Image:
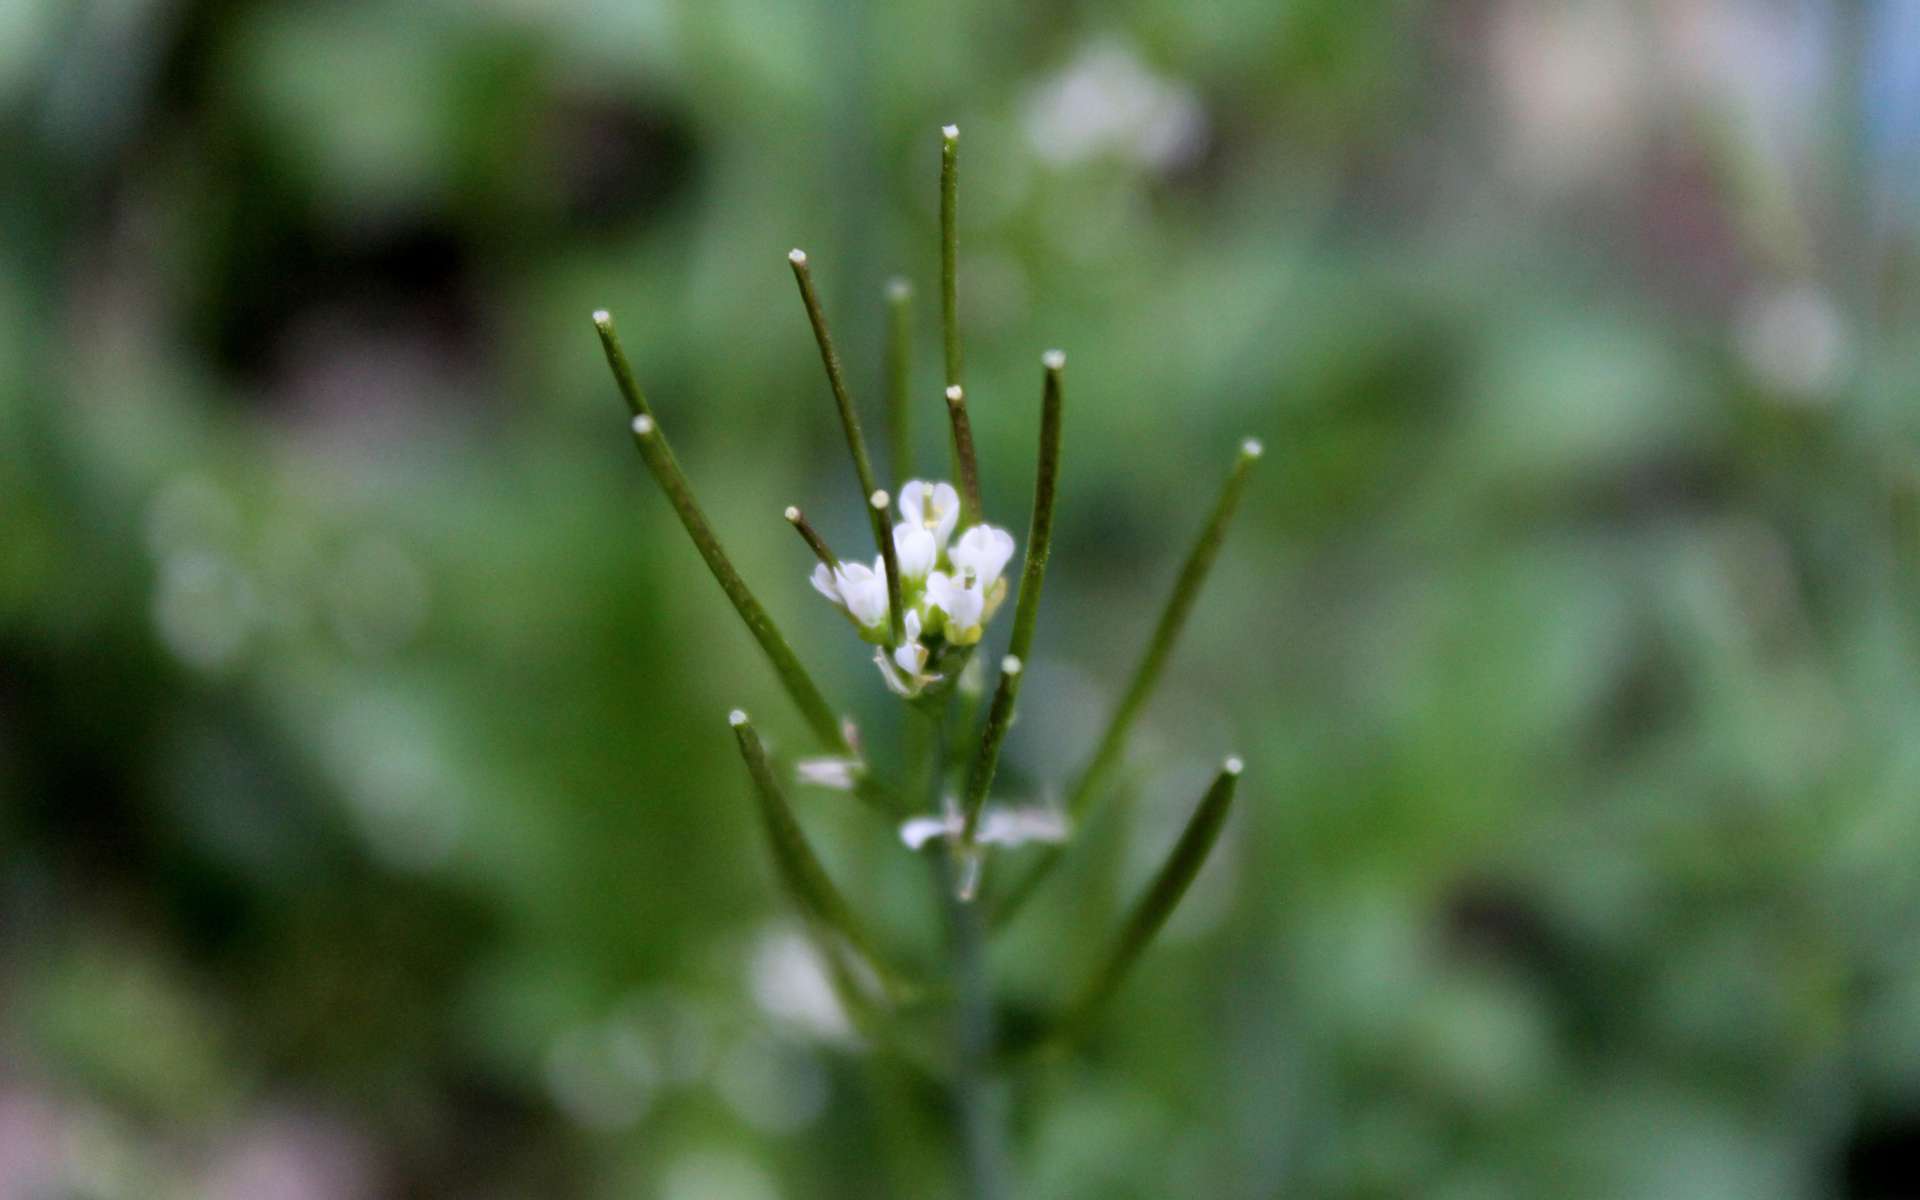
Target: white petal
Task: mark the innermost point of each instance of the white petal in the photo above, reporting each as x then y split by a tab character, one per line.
864	592
897	683
918	831
1017	826
823	582
839	774
946	513
961	604
934	507
913	496
983	550
911	657
913	546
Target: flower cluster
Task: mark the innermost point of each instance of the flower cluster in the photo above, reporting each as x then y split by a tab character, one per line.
949	588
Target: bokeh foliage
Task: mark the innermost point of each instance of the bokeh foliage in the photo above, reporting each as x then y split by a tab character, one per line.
366	809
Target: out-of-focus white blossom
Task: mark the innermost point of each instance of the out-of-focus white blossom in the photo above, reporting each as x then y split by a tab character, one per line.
837	774
1572	81
1105	101
1000	825
1794	343
791	984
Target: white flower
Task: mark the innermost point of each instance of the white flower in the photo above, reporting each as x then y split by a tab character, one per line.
963	607
983	552
906	670
999	826
838	774
913	545
918	831
1017	826
934	507
1107	102
826	585
858	588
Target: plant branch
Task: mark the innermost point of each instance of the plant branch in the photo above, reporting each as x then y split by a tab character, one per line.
900	378
1157	904
660	460
1027	610
950	249
850	422
811	537
965	465
798	866
1146	675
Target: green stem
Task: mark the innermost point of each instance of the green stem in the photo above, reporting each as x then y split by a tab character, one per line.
890	558
1157	904
811	537
900	377
950	249
987	758
979	1101
1146	675
850	422
965	465
799	868
978	1096
1040	528
660	460
1027	610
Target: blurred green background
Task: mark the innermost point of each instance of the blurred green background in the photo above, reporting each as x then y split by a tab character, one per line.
368	825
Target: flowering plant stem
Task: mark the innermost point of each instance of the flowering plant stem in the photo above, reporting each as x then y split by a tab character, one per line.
658	455
978	1098
797	864
856	441
950	249
1173	618
1153	908
942	567
1027	610
900	378
965	468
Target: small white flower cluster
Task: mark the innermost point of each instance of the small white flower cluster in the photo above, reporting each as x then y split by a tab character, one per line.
948	592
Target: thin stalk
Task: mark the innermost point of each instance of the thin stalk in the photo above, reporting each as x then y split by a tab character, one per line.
849	421
660	460
987	759
1158	902
811	537
798	866
1027	609
971	687
1146	675
900	377
979	1101
1040	527
890	558
965	465
950	248
979	1098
